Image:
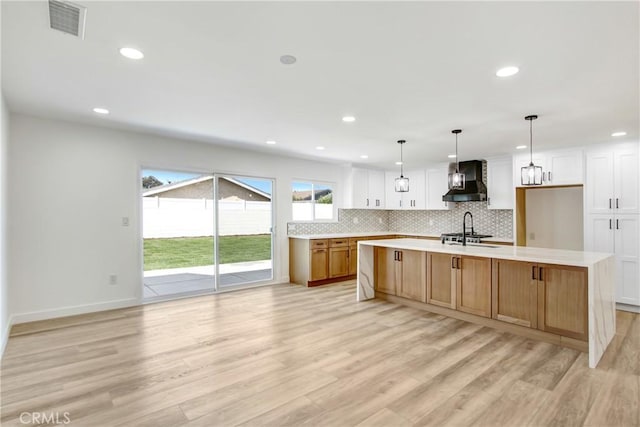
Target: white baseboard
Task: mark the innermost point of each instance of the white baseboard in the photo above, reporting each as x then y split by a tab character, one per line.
73	310
5	336
627	307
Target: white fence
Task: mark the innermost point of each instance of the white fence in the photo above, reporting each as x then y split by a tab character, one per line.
166	217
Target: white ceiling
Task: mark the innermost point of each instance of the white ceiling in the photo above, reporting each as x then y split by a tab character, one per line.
411	71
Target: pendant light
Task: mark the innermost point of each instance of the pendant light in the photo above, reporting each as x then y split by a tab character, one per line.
402	183
456	179
532	174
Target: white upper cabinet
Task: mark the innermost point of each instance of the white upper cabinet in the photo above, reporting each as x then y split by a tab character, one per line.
416	197
367	189
413	199
392	199
561	167
437	180
500	187
612	185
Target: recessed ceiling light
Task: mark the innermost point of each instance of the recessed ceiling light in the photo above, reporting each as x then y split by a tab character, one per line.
364	156
320	147
521	147
452	156
270	142
288	59
100	110
621	133
131	53
398	163
348	119
507	71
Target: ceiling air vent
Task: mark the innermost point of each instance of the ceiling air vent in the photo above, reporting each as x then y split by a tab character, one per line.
67	17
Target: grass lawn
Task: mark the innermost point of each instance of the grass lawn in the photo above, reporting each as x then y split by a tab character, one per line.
197	251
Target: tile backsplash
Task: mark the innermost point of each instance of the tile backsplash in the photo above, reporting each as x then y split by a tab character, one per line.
349	221
498	223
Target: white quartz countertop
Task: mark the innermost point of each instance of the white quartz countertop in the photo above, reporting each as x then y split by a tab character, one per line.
516	253
384	233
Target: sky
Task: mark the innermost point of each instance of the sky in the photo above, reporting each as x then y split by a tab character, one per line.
172	176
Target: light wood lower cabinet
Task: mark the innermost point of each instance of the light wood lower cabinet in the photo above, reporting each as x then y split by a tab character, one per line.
319	263
338	258
562	300
441	280
459	282
514	292
473	290
401	272
551	298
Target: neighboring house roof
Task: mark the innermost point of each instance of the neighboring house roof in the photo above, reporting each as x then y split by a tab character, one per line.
175	185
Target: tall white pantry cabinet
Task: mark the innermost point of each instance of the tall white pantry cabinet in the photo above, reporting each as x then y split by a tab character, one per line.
612	212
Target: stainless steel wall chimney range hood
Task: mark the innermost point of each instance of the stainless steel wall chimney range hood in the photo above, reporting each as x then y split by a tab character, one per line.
475	190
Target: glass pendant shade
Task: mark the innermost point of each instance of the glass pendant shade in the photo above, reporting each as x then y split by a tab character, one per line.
532	174
402	183
456	179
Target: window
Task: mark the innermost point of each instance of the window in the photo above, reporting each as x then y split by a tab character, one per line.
312	201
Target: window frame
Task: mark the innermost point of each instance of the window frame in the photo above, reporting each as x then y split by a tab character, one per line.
313	183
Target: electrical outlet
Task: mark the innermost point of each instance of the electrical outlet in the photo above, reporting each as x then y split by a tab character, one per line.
113	279
532	236
125	221
380	220
356	220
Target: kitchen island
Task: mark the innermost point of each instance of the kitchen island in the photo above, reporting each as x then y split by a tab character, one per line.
561	296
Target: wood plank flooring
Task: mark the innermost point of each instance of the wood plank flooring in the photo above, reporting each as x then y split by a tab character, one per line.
288	355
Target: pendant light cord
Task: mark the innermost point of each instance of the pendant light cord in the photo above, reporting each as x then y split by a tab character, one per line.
457	160
401	162
531	118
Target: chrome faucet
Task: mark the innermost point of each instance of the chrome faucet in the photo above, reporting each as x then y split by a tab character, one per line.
464	227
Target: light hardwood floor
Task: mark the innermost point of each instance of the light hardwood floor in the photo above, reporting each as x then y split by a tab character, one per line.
290	355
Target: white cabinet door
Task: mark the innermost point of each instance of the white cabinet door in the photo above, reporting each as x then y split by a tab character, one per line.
626	177
437	185
393	199
500	187
415	198
599	233
360	188
565	167
599	183
627	230
376	189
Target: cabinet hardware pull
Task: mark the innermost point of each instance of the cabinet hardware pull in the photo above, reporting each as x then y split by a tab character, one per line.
533	272
617	225
452	262
544	176
540	274
610	225
400	256
400	203
609	203
488	201
395	255
549	175
367	202
617	207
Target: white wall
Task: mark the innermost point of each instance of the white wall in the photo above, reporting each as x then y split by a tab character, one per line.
4	284
555	218
88	177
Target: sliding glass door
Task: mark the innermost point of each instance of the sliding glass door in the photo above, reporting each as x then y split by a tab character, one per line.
204	232
244	242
